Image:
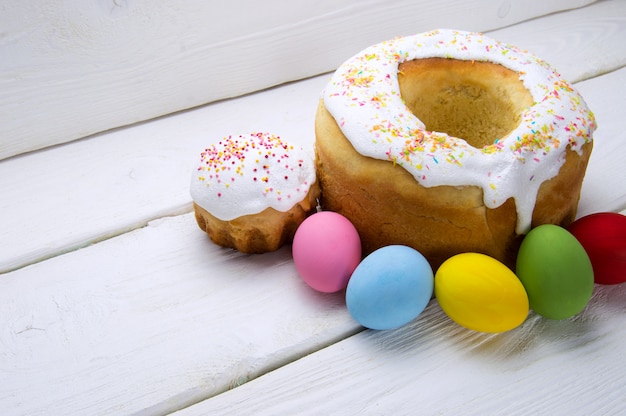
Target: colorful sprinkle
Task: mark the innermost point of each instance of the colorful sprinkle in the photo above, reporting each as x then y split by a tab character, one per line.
272	166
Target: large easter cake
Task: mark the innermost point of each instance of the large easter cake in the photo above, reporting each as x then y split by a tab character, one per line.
451	142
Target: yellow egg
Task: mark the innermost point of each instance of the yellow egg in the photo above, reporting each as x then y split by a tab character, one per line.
480	293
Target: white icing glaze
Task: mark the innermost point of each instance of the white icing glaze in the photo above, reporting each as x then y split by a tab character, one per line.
245	174
364	98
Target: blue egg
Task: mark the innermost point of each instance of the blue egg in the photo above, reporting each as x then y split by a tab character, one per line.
390	287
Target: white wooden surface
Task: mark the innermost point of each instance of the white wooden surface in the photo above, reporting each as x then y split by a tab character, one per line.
113	302
431	367
73	68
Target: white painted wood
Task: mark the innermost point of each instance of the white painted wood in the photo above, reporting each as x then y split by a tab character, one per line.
75	68
605	179
159	318
69	196
576	43
153	320
435	367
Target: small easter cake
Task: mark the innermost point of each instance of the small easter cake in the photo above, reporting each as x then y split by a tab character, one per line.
251	192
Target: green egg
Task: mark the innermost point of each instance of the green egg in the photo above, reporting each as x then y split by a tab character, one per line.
555	271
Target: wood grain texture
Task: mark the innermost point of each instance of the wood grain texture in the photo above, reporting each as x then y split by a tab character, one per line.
156	319
609	148
435	367
576	43
106	185
74	69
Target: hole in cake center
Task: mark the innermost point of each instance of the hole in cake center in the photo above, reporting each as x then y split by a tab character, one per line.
479	102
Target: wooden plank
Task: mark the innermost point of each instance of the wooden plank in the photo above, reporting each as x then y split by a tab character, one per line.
153	321
605	180
576	43
67	197
75	69
435	367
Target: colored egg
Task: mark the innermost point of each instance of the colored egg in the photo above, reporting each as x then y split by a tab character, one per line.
480	293
603	236
326	249
389	288
556	272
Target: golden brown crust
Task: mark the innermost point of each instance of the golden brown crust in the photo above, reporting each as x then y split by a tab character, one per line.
388	206
258	233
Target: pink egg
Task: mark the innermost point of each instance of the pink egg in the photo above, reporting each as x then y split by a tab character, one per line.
603	236
326	250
